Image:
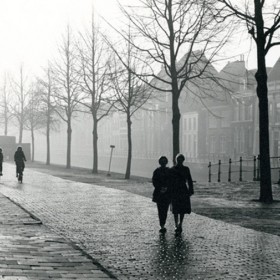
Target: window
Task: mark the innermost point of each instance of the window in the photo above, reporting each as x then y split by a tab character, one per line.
212	144
194	123
242	141
166	97
223	144
236	141
249	113
185	124
236	113
241	112
190	124
277	112
270	111
213	123
225	121
194	145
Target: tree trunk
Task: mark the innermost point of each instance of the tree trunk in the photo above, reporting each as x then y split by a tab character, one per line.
69	138
175	123
6	128
20	133
6	121
265	173
129	142
33	144
48	142
95	148
175	90
262	93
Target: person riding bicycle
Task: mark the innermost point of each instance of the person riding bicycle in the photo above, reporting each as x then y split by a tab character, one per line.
19	159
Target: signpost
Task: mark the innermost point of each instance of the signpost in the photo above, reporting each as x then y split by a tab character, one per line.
112	148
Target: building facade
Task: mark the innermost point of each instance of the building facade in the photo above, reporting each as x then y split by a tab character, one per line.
218	123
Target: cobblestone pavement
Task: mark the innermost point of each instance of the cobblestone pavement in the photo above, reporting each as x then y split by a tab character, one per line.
29	250
120	230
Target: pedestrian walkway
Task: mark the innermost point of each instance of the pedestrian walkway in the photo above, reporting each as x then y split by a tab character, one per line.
29	250
120	230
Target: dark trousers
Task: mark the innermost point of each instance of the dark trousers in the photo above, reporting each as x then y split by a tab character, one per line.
162	212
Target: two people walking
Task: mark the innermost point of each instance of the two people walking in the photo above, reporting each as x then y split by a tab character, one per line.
172	186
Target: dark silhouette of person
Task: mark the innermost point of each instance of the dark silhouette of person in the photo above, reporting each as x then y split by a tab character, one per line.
161	194
19	159
182	190
1	161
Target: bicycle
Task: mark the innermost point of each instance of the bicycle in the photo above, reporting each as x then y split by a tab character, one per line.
20	172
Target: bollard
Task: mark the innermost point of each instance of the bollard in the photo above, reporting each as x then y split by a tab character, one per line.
209	167
229	170
240	170
219	171
255	169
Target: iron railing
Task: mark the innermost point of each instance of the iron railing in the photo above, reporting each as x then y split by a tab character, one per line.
238	168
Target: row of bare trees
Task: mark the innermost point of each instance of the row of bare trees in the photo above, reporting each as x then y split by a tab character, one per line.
86	76
94	73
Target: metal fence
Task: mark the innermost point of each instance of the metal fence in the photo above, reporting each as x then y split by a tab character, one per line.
244	168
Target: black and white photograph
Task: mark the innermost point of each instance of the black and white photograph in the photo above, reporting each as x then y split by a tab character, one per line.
140	139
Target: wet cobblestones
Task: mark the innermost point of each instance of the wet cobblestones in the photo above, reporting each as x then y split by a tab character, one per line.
29	250
120	230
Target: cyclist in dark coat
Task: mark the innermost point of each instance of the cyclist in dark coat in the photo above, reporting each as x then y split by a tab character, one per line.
182	190
19	159
161	194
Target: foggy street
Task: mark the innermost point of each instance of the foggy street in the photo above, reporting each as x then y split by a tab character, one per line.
120	230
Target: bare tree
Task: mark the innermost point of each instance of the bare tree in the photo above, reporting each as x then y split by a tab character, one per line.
47	92
131	92
68	95
5	105
170	31
34	115
262	19
19	107
95	67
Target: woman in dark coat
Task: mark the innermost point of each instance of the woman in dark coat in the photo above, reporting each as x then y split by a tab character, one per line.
182	189
161	194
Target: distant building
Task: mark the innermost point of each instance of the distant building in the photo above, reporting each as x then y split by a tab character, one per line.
9	146
219	120
274	108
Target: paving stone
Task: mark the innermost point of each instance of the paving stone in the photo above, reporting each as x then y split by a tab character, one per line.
32	251
120	230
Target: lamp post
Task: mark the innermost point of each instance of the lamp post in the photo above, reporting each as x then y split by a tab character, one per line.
112	148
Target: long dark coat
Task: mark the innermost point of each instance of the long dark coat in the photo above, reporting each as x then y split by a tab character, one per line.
182	189
19	157
161	182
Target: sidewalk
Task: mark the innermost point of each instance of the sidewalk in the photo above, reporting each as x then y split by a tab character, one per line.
119	229
29	250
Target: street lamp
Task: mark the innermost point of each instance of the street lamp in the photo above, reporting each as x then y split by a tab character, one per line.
112	148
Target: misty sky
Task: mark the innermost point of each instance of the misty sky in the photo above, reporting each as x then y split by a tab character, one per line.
30	30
